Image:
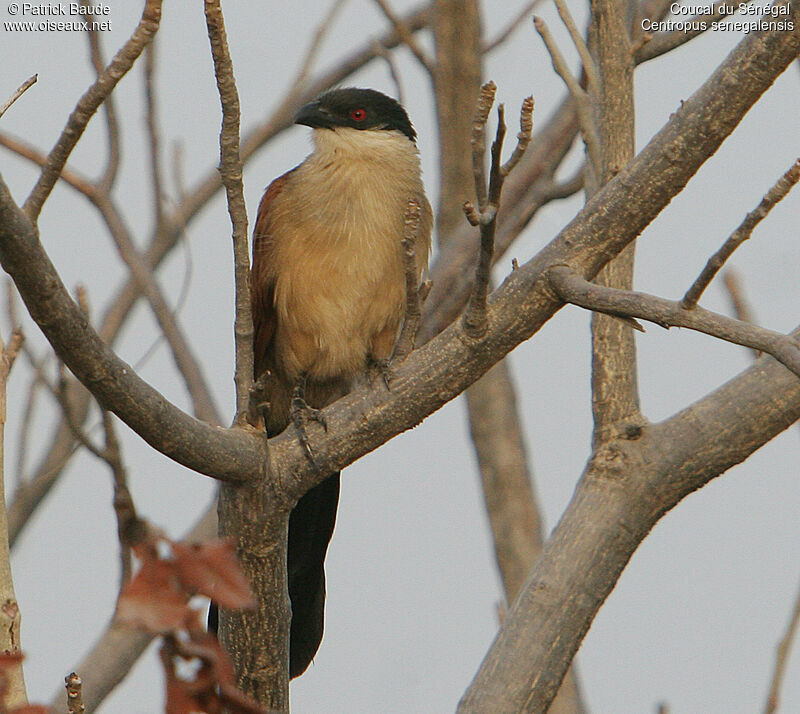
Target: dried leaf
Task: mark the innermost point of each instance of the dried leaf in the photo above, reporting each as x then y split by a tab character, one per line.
212	569
154	599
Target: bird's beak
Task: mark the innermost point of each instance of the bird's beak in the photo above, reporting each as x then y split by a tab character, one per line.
315	116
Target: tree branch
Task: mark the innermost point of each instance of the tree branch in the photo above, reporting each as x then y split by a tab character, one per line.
163	241
225	454
615	390
626	488
407	36
24	87
776	194
88	105
231	172
572	288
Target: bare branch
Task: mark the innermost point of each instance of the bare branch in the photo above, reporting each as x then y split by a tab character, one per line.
655	45
14	681
571	287
112	129
384	54
151	121
316	42
406	35
231	172
739	302
74	686
475	316
615	392
82	184
523	138
784	184
592	77
24	87
485	101
408	333
200	446
516	22
88	105
582	103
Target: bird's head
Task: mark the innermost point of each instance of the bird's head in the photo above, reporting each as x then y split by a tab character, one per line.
354	108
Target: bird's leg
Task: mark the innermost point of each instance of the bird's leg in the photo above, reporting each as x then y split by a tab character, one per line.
383	368
379	359
302	413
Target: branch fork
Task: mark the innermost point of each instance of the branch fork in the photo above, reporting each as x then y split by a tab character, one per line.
485	215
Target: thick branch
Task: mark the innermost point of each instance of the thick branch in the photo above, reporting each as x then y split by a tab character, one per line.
457	29
615	393
225	454
627	487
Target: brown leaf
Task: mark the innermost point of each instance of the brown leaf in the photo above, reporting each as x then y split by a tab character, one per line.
154	599
179	700
212	569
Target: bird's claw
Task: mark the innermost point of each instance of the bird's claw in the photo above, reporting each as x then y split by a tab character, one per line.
302	414
383	368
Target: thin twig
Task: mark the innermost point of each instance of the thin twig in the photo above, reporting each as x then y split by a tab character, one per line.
188	366
572	288
406	35
112	129
74	179
523	138
742	233
405	343
231	172
592	78
24	87
129	525
485	216
582	103
151	121
652	46
385	55
511	27
88	105
316	42
739	302
74	686
485	101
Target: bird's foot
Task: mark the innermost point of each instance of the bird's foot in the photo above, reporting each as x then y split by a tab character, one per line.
381	368
302	414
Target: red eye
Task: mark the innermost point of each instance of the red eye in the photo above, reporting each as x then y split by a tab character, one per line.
358	114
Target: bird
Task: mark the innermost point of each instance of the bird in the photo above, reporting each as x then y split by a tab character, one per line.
328	298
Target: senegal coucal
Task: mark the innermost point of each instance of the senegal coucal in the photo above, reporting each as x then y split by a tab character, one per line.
328	287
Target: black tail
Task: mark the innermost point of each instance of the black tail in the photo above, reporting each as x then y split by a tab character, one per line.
310	528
